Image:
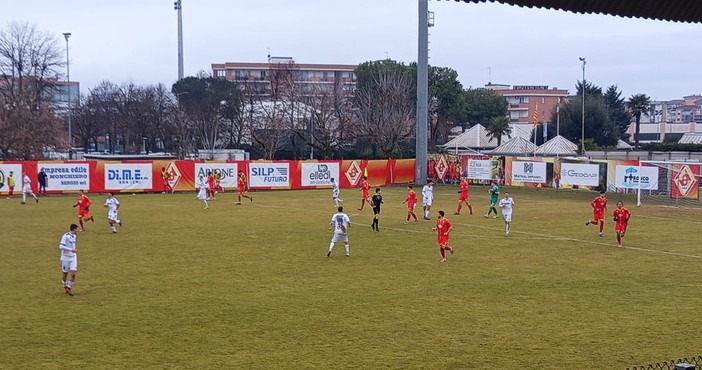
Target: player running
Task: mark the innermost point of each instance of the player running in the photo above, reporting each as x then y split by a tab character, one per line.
411	201
443	228
376	201
218	181
621	219
241	187
210	186
506	204
69	259
83	203
201	188
463	197
494	194
341	223
365	188
165	176
427	198
599	207
112	205
27	189
335	193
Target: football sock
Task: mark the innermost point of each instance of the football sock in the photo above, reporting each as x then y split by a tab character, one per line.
24	197
69	284
348	250
331	246
443	254
619	239
458	209
80	221
206	205
470	208
601	226
64	283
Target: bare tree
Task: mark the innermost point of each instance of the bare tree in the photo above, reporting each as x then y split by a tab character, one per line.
30	61
385	112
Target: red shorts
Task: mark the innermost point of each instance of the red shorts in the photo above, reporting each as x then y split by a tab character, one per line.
620	227
83	212
411	206
242	189
443	240
365	194
598	215
463	198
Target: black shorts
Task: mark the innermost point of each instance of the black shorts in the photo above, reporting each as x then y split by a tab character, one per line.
376	210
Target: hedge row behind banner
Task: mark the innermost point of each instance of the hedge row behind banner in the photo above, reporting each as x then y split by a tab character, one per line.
146	176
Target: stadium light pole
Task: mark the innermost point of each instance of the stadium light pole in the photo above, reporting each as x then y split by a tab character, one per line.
66	35
422	94
582	124
178	5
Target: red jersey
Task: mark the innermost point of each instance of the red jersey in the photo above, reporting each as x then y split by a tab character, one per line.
621	215
443	226
241	182
210	180
83	202
464	189
411	197
599	204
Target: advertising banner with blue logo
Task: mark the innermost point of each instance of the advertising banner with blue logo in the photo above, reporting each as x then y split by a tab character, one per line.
128	176
580	174
529	171
319	174
269	175
65	176
228	171
631	177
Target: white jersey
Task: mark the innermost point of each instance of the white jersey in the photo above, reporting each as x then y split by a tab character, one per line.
67	244
112	204
202	194
428	192
506	204
27	183
335	190
340	219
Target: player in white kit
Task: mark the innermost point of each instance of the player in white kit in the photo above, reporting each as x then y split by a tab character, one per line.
341	223
112	205
506	204
27	189
202	190
69	259
335	193
427	198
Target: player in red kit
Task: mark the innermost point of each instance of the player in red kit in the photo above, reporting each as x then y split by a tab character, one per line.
443	229
365	195
463	197
210	186
83	204
621	219
165	176
411	201
599	207
241	186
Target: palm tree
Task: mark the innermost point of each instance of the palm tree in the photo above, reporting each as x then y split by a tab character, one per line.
498	127
638	104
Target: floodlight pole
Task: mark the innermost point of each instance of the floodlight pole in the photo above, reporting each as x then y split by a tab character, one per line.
582	125
66	35
422	94
178	5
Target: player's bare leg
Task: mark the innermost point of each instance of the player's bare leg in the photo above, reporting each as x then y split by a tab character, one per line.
70	280
458	208
363	203
601	234
443	254
470	208
80	222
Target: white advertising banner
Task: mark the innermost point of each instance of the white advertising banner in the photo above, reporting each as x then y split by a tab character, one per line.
319	174
529	171
580	174
16	170
265	175
228	170
128	176
480	169
65	176
630	177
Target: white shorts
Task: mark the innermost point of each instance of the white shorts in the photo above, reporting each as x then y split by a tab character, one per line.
112	216
507	217
71	265
427	201
337	237
202	194
335	195
27	189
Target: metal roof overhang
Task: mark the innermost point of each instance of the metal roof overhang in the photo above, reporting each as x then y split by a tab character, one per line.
665	10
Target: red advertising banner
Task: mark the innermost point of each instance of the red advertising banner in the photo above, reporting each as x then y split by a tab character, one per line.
685	182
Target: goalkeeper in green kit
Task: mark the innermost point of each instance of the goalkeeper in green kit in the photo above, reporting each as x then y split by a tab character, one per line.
494	194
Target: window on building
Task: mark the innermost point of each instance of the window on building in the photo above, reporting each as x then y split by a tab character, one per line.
220	73
523	99
237	74
263	75
325	76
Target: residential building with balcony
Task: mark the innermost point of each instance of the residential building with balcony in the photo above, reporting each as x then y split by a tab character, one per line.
670	119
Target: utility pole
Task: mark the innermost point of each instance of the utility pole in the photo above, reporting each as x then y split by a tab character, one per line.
422	94
178	5
66	35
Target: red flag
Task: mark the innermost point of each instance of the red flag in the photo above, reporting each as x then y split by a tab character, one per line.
536	115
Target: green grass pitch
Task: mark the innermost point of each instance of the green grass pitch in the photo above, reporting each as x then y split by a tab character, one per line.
249	287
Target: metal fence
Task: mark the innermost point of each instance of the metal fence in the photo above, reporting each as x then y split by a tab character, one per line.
670	365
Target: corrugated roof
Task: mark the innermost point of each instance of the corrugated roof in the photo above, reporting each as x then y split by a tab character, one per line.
557	146
517	146
475	137
667	10
691	138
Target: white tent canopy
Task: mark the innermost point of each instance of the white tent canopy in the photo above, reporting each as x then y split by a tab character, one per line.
516	146
558	146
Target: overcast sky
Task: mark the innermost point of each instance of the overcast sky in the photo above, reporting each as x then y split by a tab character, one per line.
136	40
